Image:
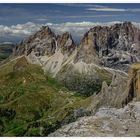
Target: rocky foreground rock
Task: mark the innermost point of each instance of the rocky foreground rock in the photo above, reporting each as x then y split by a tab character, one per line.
106	122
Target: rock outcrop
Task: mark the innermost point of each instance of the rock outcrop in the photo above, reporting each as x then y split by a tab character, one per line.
134	81
113	95
106	122
120	92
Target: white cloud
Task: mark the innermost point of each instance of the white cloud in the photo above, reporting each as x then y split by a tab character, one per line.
109	9
41	19
19	29
77	28
105	9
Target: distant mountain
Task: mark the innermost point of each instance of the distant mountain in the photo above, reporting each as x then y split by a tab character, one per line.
6	49
114	46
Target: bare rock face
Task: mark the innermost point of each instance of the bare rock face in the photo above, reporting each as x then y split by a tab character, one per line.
41	43
134	81
45	43
117	46
120	92
66	43
123	46
106	122
87	50
112	95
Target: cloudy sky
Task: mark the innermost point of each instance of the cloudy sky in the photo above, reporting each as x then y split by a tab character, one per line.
20	20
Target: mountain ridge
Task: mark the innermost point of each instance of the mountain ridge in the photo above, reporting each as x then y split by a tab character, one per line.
102	46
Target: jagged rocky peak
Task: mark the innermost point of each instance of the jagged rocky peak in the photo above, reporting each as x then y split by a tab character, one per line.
96	37
112	95
127	32
45	31
123	46
42	42
103	38
45	42
88	51
66	42
122	89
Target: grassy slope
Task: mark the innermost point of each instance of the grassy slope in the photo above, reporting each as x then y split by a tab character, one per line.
31	103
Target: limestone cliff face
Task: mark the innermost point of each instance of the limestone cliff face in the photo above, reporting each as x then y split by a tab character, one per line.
66	43
117	45
45	43
41	43
87	51
121	91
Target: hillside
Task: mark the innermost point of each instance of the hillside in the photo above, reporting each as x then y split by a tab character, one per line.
33	104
